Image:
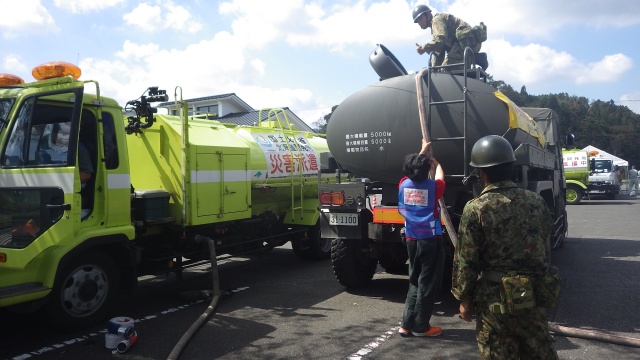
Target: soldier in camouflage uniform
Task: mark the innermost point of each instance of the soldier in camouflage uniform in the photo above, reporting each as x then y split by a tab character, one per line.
503	231
450	36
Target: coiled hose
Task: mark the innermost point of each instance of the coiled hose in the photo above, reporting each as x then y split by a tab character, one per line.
177	349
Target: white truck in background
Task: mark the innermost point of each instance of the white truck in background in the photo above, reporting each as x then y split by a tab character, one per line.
603	178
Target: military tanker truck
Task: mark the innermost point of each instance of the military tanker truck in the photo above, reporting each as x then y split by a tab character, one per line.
370	133
71	245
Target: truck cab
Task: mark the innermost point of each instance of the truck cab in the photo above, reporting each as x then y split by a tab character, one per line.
603	179
64	189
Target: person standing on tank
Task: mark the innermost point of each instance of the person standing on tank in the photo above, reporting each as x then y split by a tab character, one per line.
501	242
449	36
418	203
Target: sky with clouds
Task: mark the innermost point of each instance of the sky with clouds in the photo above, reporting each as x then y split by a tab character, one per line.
311	55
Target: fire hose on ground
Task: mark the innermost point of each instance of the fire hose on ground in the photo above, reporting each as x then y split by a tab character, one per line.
554	328
175	353
593	335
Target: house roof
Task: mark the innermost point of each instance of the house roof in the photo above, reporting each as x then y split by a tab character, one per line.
229	97
251	117
248	117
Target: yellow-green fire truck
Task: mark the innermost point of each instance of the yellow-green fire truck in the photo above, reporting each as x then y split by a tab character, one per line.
91	198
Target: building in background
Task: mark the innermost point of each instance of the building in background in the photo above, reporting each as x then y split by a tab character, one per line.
229	108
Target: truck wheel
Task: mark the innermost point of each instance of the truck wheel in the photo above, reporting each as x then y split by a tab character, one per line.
560	232
394	259
84	292
351	266
313	248
574	194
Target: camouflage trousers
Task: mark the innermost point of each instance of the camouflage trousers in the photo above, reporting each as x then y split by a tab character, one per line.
456	54
524	335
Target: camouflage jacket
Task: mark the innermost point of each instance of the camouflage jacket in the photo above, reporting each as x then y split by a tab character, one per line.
443	32
504	229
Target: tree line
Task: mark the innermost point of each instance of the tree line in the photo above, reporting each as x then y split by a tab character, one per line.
603	124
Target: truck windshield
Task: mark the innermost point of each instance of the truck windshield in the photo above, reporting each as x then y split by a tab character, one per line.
5	107
602	166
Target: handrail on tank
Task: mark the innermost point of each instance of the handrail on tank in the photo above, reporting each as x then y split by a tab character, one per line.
468	63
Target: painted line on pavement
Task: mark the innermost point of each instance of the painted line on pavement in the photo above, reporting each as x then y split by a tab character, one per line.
368	349
75	340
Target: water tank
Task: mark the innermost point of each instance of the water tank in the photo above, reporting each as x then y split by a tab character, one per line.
372	131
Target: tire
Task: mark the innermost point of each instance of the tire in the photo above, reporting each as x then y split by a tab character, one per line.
574	194
351	266
313	248
85	291
562	232
394	259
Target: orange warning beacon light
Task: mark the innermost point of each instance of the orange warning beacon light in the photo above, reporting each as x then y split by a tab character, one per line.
10	80
55	69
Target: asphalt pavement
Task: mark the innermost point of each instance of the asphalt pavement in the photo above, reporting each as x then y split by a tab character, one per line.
276	306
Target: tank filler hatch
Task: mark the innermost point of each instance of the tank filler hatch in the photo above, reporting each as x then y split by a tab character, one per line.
385	63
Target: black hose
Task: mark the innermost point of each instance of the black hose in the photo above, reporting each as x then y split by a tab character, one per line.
592	335
175	353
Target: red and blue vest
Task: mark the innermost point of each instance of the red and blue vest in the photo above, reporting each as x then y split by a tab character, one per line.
417	204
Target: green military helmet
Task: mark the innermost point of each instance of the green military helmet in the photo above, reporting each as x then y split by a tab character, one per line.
419	10
491	150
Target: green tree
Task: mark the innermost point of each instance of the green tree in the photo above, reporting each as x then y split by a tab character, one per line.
603	124
320	125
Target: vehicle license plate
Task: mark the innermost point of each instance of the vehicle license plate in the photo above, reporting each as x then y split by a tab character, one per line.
343	219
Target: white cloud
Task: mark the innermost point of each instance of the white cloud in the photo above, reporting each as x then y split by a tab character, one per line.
257	25
525	45
632	101
543	18
257	22
164	15
25	17
362	23
144	16
535	64
179	18
142	65
84	6
12	63
131	50
609	69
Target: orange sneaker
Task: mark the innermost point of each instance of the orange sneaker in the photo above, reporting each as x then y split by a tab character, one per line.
404	332
433	331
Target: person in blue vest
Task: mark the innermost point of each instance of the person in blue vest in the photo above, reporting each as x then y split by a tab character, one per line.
418	197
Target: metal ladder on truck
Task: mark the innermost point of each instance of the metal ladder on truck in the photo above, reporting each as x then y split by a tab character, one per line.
425	117
296	175
469	70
